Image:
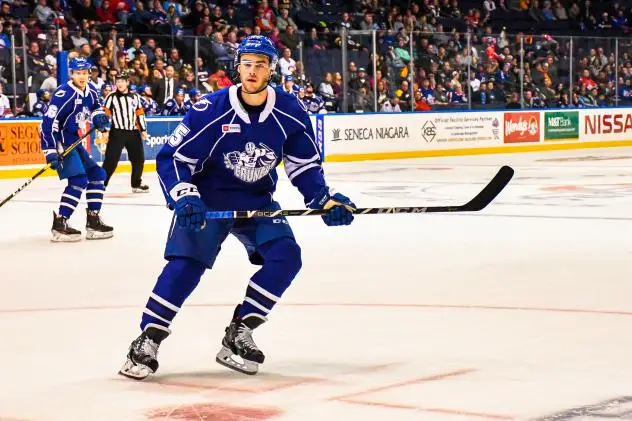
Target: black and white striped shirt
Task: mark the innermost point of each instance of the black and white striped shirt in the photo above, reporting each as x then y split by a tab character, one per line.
126	111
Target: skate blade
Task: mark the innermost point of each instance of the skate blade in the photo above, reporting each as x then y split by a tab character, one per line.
135	190
65	238
226	358
135	371
98	235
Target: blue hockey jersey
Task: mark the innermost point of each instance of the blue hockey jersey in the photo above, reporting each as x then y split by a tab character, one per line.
39	109
231	156
314	104
69	113
172	108
150	106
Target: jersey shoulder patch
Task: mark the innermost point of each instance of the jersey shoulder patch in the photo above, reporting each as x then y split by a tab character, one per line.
60	93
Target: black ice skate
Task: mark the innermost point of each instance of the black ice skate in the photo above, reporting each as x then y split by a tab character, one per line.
62	232
95	228
239	351
143	353
141	188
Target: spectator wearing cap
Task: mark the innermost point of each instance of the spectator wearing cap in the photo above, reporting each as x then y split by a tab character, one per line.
360	81
128	129
175	106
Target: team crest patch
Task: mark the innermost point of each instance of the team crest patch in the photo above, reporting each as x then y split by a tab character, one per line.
231	128
253	164
60	93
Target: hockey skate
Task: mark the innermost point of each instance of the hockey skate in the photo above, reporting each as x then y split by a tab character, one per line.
143	353
239	351
95	228
62	232
141	188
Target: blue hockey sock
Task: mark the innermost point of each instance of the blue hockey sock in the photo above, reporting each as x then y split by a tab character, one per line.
72	194
96	188
176	282
282	262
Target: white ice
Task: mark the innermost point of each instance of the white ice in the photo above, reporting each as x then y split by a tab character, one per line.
521	311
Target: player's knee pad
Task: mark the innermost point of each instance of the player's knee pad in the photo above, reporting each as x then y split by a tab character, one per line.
79	182
96	173
284	253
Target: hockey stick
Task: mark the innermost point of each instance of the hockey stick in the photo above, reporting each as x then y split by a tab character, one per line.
40	172
482	199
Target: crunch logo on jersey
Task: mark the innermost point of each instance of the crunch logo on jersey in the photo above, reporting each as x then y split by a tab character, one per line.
231	128
253	164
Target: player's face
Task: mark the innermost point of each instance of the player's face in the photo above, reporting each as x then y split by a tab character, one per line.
254	71
46	96
80	78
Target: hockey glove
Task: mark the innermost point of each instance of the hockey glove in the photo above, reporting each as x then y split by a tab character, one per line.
342	207
52	158
101	121
191	213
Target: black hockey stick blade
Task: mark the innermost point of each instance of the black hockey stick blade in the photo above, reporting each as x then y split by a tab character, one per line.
491	190
479	202
43	170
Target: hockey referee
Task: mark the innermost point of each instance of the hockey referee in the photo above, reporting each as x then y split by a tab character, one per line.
126	112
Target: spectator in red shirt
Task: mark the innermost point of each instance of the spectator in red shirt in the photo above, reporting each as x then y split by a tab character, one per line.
586	80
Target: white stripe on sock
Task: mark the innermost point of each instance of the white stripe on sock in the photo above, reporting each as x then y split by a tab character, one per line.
68	205
256	304
165	302
152	314
263	292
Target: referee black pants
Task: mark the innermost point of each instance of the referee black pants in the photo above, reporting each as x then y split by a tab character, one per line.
130	140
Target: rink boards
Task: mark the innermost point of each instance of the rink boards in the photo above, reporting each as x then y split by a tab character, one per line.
366	136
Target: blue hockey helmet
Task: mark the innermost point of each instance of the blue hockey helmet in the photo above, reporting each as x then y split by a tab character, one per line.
179	91
40	93
132	88
258	44
194	92
80	63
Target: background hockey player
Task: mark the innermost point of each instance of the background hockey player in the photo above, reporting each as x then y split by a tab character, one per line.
314	103
175	106
149	104
71	109
289	86
194	96
41	106
223	156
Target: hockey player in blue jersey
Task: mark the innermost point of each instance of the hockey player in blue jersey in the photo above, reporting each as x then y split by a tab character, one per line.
149	104
223	156
175	106
194	96
41	106
73	106
313	102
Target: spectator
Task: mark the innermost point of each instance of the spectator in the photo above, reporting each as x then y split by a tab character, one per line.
284	20
391	105
287	65
289	38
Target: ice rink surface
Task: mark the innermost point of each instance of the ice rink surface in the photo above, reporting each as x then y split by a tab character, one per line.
520	312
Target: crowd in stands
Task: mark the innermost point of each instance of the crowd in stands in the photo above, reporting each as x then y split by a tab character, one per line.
177	50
